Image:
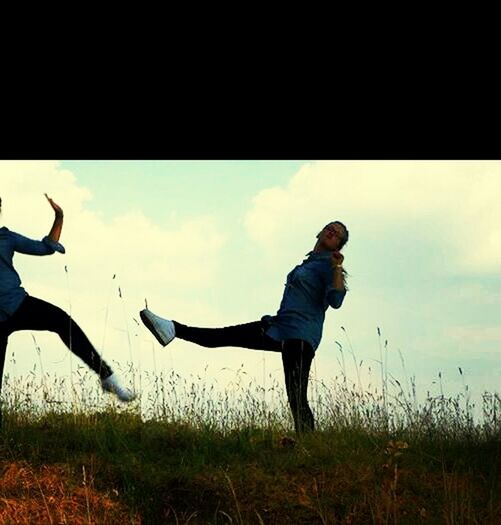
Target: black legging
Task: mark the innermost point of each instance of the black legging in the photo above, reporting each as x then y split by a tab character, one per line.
35	314
297	356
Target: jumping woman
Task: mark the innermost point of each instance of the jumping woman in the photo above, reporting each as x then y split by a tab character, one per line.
296	329
20	311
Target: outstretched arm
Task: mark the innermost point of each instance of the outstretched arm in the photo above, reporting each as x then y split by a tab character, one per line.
55	231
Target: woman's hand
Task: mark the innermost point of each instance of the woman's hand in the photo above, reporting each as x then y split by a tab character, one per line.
57	209
337	259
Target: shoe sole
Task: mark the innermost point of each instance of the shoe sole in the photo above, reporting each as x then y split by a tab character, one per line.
120	398
112	391
151	328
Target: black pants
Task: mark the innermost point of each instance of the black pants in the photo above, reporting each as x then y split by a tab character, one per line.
35	314
297	356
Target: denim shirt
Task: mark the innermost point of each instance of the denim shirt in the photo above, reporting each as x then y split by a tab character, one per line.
11	292
308	293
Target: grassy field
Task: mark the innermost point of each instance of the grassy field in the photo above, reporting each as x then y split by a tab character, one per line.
203	457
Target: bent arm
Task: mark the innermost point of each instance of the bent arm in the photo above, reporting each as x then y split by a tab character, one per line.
49	244
22	244
335	297
336	289
55	232
338	278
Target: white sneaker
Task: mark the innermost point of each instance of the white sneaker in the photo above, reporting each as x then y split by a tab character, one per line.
162	329
112	384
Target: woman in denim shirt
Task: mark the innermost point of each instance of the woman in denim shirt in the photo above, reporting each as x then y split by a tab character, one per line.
20	311
296	329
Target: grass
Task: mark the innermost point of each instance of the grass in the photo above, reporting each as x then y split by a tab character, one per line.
190	454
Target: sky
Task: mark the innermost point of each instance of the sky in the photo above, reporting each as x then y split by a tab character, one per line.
209	243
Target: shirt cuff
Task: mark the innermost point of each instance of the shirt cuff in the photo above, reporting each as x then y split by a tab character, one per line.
335	297
56	246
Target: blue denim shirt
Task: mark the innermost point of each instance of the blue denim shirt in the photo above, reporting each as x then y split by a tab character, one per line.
11	292
308	293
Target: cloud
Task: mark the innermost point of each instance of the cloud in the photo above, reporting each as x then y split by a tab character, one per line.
453	204
477	294
166	265
405	219
423	237
475	334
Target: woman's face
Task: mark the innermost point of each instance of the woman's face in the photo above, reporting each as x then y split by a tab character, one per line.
331	237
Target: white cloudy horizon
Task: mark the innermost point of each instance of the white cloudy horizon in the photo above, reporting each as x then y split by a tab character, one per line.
423	258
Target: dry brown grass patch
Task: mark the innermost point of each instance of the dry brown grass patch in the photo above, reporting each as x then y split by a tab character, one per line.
49	495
